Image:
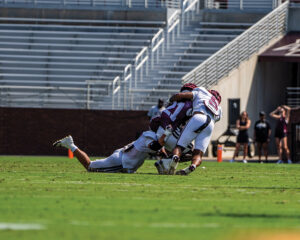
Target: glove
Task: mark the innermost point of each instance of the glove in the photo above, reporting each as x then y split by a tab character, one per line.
168	131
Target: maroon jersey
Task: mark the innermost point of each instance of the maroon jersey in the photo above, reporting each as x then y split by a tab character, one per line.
174	115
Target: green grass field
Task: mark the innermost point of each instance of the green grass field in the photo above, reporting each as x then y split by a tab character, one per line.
219	201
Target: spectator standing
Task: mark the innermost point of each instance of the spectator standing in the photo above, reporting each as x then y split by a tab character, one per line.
262	133
156	110
282	114
242	124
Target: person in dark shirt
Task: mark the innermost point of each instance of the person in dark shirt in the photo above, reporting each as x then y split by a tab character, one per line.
262	133
282	114
242	124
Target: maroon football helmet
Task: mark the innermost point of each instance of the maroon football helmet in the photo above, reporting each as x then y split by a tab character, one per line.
216	95
188	86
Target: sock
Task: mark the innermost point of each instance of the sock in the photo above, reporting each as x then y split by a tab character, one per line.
190	169
73	147
174	162
175	158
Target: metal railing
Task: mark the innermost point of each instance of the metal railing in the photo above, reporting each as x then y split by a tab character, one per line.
100	3
148	55
139	61
242	4
46	94
240	49
292	96
159	43
114	86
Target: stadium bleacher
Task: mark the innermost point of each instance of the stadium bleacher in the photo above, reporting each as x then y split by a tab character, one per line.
41	54
84	63
94	3
192	47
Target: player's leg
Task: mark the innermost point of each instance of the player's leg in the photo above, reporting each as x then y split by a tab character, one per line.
188	135
67	142
111	164
83	158
259	147
245	148
163	165
196	162
175	159
279	149
201	143
286	149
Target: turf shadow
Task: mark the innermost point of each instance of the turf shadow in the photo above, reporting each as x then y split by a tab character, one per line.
248	215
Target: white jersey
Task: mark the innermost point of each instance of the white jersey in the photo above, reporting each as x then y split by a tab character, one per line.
205	102
134	158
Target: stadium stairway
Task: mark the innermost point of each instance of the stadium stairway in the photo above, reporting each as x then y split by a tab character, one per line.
48	63
195	44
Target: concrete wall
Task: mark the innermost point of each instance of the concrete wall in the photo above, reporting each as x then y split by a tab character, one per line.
294	19
26	131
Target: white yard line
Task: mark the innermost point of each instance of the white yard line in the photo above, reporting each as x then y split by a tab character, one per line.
151	225
21	226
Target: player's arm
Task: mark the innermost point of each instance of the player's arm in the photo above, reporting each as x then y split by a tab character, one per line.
166	134
182	96
162	153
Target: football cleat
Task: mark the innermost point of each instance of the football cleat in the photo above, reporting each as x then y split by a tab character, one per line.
159	167
181	172
173	165
64	142
163	166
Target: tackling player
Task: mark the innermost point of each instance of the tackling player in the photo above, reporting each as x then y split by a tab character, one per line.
168	125
174	116
206	111
127	159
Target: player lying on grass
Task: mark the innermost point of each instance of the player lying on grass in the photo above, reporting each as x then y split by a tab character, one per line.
127	159
206	111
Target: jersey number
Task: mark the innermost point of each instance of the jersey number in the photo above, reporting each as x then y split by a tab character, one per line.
213	105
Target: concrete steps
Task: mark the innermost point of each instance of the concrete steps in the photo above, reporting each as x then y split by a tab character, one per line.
192	47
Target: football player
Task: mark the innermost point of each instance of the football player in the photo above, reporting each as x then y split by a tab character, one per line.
127	159
168	125
206	111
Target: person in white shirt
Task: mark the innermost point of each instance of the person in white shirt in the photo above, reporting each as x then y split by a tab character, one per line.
157	109
206	111
127	159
